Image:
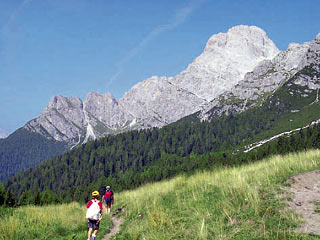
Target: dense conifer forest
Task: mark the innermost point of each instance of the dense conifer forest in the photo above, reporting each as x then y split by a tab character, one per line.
24	149
130	159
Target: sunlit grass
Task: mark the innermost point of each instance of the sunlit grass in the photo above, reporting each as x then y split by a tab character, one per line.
66	221
227	203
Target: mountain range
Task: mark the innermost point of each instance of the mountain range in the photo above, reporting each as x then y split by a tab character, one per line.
158	101
236	71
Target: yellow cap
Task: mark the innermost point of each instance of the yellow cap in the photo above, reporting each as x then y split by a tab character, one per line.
95	193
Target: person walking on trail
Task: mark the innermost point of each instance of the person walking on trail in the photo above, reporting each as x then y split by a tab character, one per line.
94	215
108	199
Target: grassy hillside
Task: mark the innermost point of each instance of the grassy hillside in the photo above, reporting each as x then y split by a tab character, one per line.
227	203
66	221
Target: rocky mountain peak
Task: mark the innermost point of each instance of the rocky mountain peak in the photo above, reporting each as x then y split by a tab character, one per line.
109	97
300	62
60	102
243	40
225	60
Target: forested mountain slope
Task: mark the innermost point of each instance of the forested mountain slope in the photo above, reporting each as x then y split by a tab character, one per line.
24	149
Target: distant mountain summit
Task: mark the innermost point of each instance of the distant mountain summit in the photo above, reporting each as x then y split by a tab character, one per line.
298	62
158	101
225	60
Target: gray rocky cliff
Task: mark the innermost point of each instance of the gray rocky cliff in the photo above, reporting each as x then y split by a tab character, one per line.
267	77
160	101
226	59
62	119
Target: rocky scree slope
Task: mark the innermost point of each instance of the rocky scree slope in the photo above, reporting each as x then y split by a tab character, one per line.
157	101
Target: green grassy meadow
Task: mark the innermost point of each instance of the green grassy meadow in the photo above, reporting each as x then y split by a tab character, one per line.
227	203
65	221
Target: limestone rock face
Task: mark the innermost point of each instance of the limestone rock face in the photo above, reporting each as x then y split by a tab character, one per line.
75	121
104	115
269	75
61	120
234	72
162	101
225	60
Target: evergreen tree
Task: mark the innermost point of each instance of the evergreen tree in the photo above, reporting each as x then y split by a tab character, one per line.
2	194
37	198
26	198
9	200
48	197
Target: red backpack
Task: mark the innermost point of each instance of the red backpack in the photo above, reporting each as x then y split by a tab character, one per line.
108	194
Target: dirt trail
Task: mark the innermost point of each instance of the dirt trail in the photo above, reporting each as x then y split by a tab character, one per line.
305	192
116	223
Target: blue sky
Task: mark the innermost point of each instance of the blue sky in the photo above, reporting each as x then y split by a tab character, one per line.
72	47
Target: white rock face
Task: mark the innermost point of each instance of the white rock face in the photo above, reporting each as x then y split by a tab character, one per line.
106	111
63	119
240	64
75	121
226	59
159	101
3	134
270	75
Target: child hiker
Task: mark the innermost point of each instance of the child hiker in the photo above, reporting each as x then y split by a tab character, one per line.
94	215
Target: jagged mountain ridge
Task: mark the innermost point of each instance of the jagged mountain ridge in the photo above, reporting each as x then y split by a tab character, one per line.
158	101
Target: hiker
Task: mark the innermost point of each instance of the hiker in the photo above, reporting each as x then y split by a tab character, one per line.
108	199
94	215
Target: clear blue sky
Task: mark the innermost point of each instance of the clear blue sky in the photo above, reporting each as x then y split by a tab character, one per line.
71	47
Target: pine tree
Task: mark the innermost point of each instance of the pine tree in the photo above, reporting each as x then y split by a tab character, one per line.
2	194
48	197
26	198
9	200
37	198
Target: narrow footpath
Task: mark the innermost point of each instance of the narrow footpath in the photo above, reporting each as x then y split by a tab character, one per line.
116	223
304	199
